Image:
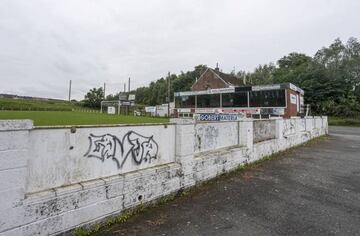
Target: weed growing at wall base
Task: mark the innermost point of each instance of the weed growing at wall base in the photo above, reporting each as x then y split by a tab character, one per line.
182	193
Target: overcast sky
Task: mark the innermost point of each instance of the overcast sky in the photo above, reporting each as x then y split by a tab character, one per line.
46	43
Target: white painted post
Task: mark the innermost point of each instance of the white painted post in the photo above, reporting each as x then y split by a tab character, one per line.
184	148
246	133
279	125
325	124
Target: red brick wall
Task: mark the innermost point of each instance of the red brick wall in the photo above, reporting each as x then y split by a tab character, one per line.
208	80
291	109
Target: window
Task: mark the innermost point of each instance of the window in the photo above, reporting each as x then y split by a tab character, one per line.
185	101
234	99
205	101
267	98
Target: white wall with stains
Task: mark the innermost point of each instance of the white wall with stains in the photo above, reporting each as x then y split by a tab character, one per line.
61	157
214	135
54	180
264	130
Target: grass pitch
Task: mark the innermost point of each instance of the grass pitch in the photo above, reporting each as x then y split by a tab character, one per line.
50	118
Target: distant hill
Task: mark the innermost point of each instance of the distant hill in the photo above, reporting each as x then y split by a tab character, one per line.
23	103
14	96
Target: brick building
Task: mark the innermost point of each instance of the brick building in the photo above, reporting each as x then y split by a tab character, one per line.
215	79
217	92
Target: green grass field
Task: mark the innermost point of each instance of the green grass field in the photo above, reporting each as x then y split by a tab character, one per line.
36	105
47	118
341	121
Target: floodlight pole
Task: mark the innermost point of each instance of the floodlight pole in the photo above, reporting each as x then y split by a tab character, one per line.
104	90
129	85
70	91
168	100
119	102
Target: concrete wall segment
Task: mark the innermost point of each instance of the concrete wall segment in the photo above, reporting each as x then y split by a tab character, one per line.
48	185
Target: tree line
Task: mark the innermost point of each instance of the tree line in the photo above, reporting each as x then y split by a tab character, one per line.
330	79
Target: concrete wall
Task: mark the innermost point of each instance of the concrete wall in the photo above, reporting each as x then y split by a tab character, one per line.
214	135
53	180
62	157
264	130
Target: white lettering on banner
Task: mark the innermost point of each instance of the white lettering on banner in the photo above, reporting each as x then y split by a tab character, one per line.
245	110
297	89
203	92
184	110
228	110
206	110
222	90
293	87
265	87
219	117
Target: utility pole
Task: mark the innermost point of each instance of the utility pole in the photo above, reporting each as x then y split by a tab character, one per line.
168	96
124	87
129	85
104	90
70	91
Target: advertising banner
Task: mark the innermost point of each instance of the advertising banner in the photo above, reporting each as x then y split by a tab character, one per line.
219	117
150	109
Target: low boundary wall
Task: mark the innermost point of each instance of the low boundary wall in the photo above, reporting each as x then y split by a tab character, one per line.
53	180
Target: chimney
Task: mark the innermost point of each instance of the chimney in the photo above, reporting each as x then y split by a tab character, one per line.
217	67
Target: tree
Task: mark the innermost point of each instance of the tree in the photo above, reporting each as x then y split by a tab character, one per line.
94	97
330	79
156	92
263	74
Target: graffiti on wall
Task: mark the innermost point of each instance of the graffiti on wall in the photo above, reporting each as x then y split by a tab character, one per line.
206	137
264	130
289	127
139	148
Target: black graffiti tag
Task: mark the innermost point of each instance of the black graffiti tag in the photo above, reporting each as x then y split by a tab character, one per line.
140	148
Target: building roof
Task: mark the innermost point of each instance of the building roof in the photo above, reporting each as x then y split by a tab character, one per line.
214	78
229	78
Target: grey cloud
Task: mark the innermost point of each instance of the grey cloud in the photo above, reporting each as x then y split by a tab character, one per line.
46	43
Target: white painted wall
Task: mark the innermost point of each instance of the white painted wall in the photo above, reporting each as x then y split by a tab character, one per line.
59	156
264	130
215	135
48	186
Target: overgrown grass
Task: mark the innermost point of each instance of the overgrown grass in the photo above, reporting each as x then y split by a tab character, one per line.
45	118
343	121
182	193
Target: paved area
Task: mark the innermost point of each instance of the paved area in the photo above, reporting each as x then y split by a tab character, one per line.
313	190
